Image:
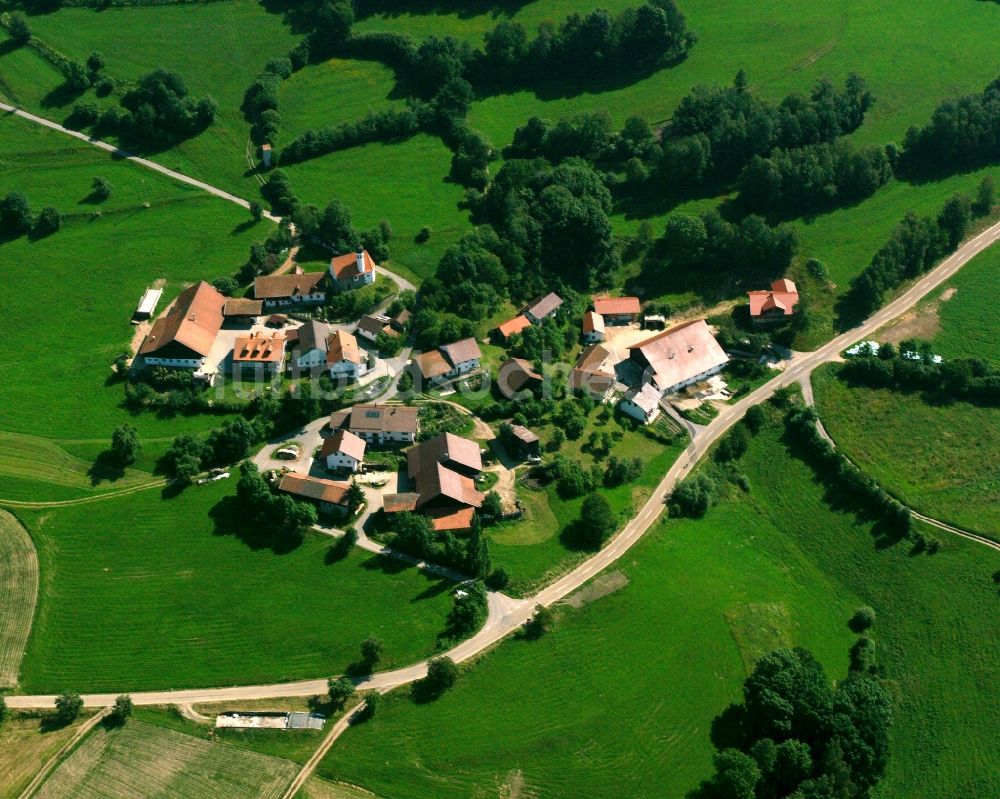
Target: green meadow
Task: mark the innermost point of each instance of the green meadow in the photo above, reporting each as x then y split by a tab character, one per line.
56	355
620	698
967	319
144	592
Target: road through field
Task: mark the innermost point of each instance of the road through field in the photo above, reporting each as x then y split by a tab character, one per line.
504	620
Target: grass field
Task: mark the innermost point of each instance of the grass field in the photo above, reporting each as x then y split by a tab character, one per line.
338	90
942	460
217	48
405	183
318	788
142	592
968	326
25	746
18	594
56	354
537	547
143	761
666	653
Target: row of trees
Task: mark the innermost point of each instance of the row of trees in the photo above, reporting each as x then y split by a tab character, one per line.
260	100
189	454
968	379
280	514
915	245
817	176
415	535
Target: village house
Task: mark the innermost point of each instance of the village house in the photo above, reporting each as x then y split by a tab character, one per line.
352	271
343	356
641	403
294	288
449	361
380	424
511	327
776	305
183	337
589	376
543	308
515	376
617	310
442	469
593	327
263	354
369	326
679	357
330	496
343	452
310	344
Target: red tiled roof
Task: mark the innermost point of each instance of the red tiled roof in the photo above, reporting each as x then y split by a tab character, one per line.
345	442
616	306
515	325
302	485
344	267
342	346
194	320
399	503
432	364
782	297
258	348
440	481
447	519
383	419
784	285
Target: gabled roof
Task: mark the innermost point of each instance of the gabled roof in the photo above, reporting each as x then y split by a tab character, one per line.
782	297
543	306
344	442
313	335
596	384
522	433
432	364
443	447
271	287
193	321
258	348
438	481
593	322
372	324
616	306
681	353
646	398
515	325
344	267
460	351
514	374
236	306
448	519
317	488
592	357
399	503
342	346
383	419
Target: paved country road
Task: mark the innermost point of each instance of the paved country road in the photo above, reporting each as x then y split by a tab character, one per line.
504	617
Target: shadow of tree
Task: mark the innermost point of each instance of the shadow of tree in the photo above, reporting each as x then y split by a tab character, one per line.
105	468
230	518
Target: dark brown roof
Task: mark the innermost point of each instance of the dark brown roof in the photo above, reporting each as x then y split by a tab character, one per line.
193	321
237	306
514	375
543	306
270	287
312	335
522	433
438	481
345	442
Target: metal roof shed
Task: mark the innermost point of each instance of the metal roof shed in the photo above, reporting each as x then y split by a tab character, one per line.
148	303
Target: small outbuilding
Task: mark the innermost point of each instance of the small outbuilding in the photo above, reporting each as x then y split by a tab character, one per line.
642	403
593	327
147	304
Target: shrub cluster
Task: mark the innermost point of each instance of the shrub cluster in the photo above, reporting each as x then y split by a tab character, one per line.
260	101
967	379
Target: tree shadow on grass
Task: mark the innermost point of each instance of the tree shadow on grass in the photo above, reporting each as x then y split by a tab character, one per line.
571	537
230	519
729	728
105	468
385	564
438	586
61	96
243	227
464	9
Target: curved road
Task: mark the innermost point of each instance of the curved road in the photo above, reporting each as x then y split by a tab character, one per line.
503	621
504	618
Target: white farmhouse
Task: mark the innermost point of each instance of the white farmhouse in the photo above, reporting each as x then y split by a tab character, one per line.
344	451
641	403
344	358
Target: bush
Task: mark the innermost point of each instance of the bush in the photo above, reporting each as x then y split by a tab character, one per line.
340	690
48	222
498	579
863	618
424	235
15	212
597	521
693	496
373	701
68	707
100	188
121	711
442	673
18	29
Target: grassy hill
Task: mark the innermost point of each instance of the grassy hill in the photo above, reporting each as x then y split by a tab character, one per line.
665	652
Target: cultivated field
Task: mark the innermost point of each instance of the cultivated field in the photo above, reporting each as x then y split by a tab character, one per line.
185	599
25	746
317	788
142	761
18	594
666	651
942	460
